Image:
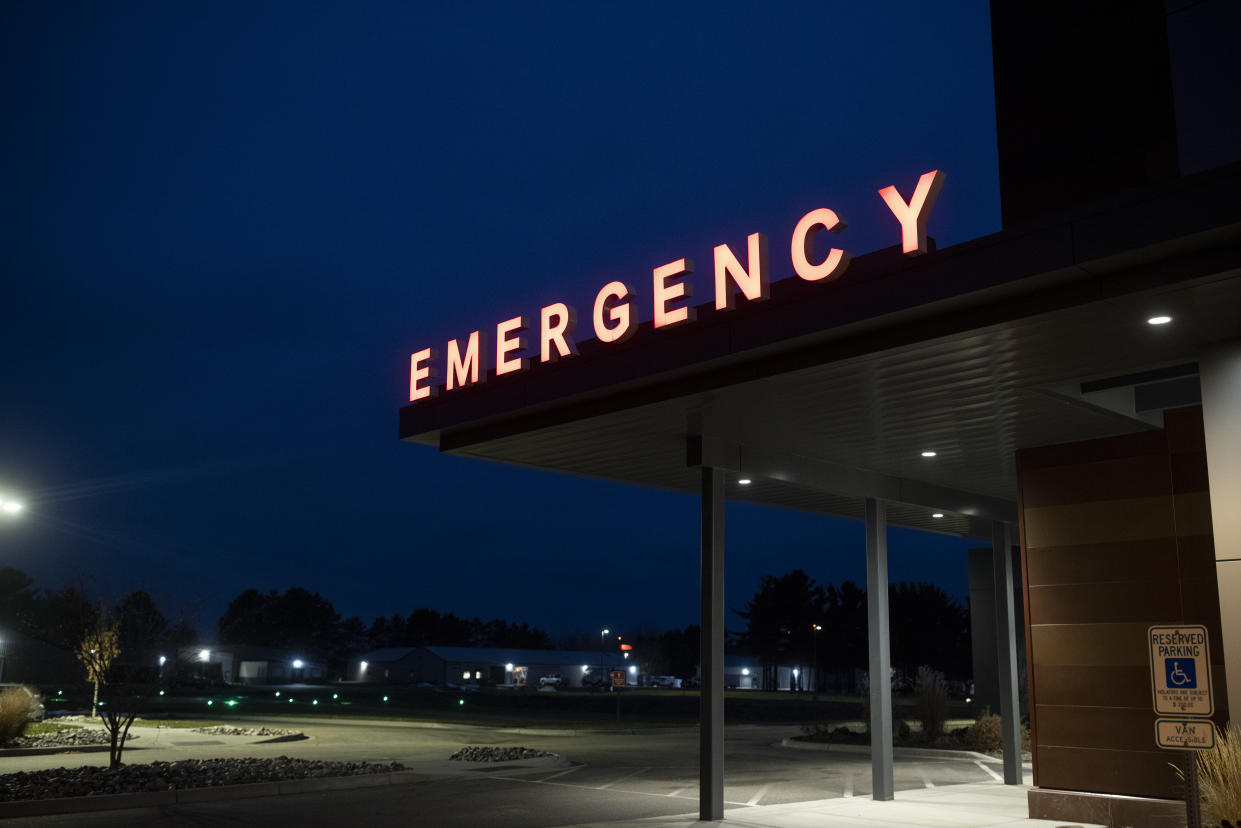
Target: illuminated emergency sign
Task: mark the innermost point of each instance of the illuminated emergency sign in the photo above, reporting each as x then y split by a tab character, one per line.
614	318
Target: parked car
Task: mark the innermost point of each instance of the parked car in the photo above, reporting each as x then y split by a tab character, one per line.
554	680
663	681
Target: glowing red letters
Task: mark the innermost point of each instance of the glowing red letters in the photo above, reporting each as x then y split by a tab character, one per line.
614	316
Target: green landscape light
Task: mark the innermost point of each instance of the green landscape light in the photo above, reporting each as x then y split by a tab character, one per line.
385	698
336	695
231	702
460	701
316	701
290	701
161	692
210	702
277	694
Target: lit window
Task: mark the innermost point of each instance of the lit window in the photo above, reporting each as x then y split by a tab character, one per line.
466	674
478	674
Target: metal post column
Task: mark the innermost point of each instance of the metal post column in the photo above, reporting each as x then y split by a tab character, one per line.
880	649
711	650
1006	650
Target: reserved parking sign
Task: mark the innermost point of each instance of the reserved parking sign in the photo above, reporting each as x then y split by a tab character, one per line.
1181	670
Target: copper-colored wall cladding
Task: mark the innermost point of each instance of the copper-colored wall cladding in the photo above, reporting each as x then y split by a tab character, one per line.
1116	537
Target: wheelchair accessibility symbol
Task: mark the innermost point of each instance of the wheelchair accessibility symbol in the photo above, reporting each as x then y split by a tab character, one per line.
1180	673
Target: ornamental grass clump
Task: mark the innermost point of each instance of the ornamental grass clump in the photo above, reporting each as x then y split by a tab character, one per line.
1219	778
17	708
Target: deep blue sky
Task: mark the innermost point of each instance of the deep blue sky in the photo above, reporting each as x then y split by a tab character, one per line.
224	227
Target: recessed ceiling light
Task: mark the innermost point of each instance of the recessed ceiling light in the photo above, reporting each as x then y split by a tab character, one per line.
937	515
1159	320
745	481
928	454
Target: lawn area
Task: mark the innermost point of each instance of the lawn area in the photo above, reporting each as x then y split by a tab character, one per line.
174	723
40	728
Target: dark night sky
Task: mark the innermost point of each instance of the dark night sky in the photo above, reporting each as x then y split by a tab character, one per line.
224	227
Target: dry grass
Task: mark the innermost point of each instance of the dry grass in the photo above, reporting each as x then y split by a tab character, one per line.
931	701
16	706
1219	778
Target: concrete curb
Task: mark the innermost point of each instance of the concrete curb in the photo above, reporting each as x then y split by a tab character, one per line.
908	753
187	796
47	751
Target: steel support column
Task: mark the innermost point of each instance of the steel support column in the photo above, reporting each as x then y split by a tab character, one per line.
1006	649
711	712
880	649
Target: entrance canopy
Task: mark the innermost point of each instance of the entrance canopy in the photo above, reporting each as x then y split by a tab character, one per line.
829	393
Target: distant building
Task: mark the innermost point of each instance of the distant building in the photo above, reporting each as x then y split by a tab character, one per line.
442	666
244	664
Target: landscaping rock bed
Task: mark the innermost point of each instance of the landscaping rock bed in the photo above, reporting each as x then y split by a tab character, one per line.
69	737
476	753
168	776
228	730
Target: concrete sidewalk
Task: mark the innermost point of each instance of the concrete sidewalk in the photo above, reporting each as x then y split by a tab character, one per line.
977	805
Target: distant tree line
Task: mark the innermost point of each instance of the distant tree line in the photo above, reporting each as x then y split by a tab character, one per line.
63	617
305	621
926	627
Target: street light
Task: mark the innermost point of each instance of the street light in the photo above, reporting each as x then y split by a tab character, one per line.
9	506
814	662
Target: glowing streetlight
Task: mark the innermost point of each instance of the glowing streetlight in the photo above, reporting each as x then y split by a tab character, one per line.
298	664
204	655
9	506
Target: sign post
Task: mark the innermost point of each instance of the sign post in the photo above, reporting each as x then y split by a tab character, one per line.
1181	693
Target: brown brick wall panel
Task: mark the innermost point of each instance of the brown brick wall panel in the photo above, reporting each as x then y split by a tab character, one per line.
1146	601
1093	451
1114	728
1185	430
1151	559
1136	518
1119	479
1116	536
1193	513
1125	772
1189	472
1100	645
1201	598
1197	554
1090	686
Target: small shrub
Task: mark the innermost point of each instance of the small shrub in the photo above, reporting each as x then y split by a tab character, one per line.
816	732
17	706
987	734
1219	777
931	701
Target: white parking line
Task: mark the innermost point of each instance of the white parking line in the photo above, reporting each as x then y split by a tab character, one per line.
848	794
561	773
678	792
759	795
988	770
621	779
927	783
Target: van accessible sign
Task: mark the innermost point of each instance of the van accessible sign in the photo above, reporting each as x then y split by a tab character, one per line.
1181	670
1185	734
615	319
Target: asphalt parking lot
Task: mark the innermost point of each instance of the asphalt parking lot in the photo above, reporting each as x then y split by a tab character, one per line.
598	777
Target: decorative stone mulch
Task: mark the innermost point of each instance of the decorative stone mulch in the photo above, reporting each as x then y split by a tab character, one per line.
228	730
475	753
167	776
